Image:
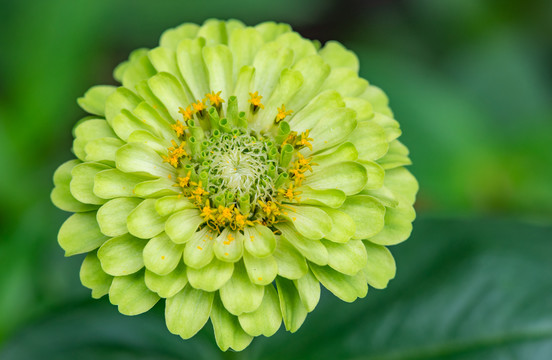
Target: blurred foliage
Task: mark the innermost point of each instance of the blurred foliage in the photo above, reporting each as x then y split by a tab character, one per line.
470	82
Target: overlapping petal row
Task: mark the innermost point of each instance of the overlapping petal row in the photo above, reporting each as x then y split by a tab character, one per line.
234	171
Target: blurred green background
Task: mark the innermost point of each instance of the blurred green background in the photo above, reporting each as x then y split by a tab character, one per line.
470	82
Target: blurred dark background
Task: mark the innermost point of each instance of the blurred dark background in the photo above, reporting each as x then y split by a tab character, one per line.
470	81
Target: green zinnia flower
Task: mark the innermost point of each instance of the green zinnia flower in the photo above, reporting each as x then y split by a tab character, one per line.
234	171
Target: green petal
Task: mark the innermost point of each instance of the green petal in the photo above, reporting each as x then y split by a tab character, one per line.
363	108
113	183
212	276
144	221
121	98
259	240
167	286
161	255
343	226
239	295
337	125
347	288
218	60
131	295
82	182
313	250
244	44
122	255
375	174
367	213
199	250
103	149
348	258
188	311
344	153
331	197
169	91
112	216
182	225
168	205
171	37
380	267
293	311
61	195
80	233
308	288
189	56
310	221
291	264
266	320
349	177
94	99
142	160
93	277
269	63
261	271
228	332
314	71
370	140
337	56
155	188
228	246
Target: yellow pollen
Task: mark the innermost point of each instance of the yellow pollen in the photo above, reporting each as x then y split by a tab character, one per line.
282	113
256	99
215	98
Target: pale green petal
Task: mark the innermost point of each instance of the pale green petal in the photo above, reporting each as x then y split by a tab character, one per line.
122	255
120	99
93	277
94	99
156	188
228	245
144	221
188	311
375	174
349	177
212	276
103	149
347	288
337	124
61	195
348	258
370	140
337	55
170	92
228	332
189	56
344	153
80	233
82	182
331	197
367	213
239	295
259	240
182	225
269	63
244	44
142	160
112	216
363	108
310	221
218	60
167	286
291	264
308	288
199	249
161	255
113	183
293	310
380	267
131	294
315	71
261	271
266	320
171	37
313	250
343	226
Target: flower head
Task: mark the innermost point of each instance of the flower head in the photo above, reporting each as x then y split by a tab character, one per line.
235	208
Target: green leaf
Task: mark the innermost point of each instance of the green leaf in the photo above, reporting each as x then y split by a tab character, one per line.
122	255
266	320
112	216
131	294
293	311
239	295
188	311
228	332
80	233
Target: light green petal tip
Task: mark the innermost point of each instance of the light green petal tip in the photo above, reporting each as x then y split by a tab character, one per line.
188	311
131	294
